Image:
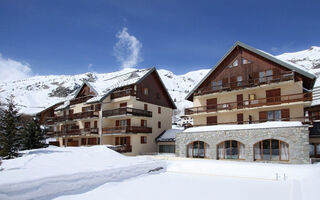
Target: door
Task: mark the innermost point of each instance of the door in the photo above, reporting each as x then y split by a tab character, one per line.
240	118
212	120
239	101
273	96
211	105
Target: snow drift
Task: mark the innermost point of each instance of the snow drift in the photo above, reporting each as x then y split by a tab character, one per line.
51	172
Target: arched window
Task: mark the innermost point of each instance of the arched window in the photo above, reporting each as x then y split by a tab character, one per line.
231	149
198	149
271	149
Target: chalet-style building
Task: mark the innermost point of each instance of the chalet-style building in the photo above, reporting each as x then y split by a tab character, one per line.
235	103
126	112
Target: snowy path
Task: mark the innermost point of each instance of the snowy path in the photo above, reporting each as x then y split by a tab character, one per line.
186	186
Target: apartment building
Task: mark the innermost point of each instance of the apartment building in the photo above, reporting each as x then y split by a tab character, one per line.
126	112
234	104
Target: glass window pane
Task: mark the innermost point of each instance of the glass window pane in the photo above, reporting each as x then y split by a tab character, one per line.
318	149
214	85
195	149
220	84
311	151
262	77
234	153
269	75
201	149
277	115
257	151
275	149
266	149
235	63
241	151
227	150
284	151
220	151
270	115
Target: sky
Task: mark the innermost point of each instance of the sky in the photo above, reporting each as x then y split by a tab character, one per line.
71	37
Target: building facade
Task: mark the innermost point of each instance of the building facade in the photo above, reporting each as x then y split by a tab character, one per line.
249	86
126	112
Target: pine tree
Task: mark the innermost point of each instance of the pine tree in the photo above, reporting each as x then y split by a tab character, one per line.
9	130
33	136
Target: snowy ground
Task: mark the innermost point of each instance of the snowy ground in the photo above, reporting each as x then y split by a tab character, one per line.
99	173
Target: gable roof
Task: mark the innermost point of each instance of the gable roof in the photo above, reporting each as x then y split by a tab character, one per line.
266	55
103	89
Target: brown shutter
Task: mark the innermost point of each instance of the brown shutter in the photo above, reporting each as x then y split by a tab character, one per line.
128	140
145	106
92	107
141	139
159	110
273	95
240	118
233	81
95	124
83	109
212	120
128	122
212	104
239	101
98	107
263	116
285	114
142	122
117	140
123	105
117	123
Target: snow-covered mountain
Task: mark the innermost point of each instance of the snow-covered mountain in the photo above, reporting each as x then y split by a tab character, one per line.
36	93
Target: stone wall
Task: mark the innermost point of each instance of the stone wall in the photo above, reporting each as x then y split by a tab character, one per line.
296	137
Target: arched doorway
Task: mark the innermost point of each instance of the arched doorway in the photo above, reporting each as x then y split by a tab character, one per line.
231	149
197	149
271	149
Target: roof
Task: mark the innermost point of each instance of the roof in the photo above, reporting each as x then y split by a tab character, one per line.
103	88
276	124
266	55
168	135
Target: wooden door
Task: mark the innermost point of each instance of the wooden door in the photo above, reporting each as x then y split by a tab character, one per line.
240	101
211	105
273	96
240	118
212	120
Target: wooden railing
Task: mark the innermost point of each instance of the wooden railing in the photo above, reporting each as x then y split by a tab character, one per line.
304	120
121	148
127	129
80	100
125	111
73	131
123	93
86	114
90	130
250	103
253	82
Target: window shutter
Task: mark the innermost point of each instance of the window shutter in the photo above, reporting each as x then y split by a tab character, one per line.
240	118
128	122
128	140
141	139
92	107
145	106
95	124
213	120
159	110
98	107
117	140
83	109
117	123
263	116
285	114
142	122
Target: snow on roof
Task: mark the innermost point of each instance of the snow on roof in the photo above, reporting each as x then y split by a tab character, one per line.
278	124
169	135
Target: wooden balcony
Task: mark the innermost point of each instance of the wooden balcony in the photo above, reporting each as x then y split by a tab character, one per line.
90	131
121	148
85	114
127	111
123	93
126	129
253	82
73	132
301	97
80	100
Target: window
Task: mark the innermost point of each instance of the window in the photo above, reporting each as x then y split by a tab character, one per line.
122	140
143	139
159	124
265	76
167	148
231	149
87	125
123	123
197	149
159	110
145	106
239	80
92	141
144	123
83	141
315	150
234	64
145	91
216	85
271	149
274	115
245	61
95	124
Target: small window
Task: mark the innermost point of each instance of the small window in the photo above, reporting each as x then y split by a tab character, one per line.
220	84
239	80
159	110
143	139
245	61
145	91
144	123
269	75
145	106
235	63
214	85
159	124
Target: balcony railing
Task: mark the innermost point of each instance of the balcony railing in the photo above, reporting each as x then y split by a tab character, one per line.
123	93
303	120
126	111
127	129
250	103
81	115
73	132
90	131
80	100
246	83
86	114
121	148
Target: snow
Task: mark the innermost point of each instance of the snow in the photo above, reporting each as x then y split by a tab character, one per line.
52	171
275	124
190	179
169	135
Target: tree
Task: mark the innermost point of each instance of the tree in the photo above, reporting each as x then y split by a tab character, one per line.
33	136
10	130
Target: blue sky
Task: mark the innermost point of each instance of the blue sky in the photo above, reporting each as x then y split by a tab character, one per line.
71	37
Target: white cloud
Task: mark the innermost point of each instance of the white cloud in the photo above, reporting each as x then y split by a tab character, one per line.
274	49
127	49
90	66
13	70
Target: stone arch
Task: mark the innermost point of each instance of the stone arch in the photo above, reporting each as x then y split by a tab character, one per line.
198	149
271	149
231	149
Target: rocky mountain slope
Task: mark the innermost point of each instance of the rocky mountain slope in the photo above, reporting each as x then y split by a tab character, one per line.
36	93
